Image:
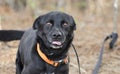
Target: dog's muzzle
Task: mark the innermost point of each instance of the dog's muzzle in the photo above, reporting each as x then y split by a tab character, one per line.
57	40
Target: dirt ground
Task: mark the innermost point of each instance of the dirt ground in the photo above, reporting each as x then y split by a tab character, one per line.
88	38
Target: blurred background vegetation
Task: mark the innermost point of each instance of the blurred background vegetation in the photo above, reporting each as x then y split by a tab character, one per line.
80	7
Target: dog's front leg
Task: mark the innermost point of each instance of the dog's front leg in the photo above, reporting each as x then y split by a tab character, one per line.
19	66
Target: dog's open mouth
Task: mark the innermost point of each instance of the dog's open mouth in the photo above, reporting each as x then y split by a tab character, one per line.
56	44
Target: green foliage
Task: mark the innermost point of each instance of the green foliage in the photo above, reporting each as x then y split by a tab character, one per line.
32	4
82	5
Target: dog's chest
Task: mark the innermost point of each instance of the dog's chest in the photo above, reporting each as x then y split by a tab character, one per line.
43	69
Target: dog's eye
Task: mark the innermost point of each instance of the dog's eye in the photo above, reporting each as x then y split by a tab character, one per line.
65	24
49	24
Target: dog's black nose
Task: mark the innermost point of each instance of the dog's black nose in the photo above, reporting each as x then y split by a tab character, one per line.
57	35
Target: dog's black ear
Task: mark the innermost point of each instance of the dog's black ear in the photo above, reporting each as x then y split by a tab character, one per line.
37	23
73	23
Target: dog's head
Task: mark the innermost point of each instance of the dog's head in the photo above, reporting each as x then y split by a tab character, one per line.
55	29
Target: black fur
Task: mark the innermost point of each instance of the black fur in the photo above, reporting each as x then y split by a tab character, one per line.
10	35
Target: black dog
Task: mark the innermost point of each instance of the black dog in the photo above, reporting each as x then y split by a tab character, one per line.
44	48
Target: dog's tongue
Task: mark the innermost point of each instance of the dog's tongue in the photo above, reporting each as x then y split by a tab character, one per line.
56	43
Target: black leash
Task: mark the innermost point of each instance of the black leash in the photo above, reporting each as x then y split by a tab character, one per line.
97	66
77	58
113	36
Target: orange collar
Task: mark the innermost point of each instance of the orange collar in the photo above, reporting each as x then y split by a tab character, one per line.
51	62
